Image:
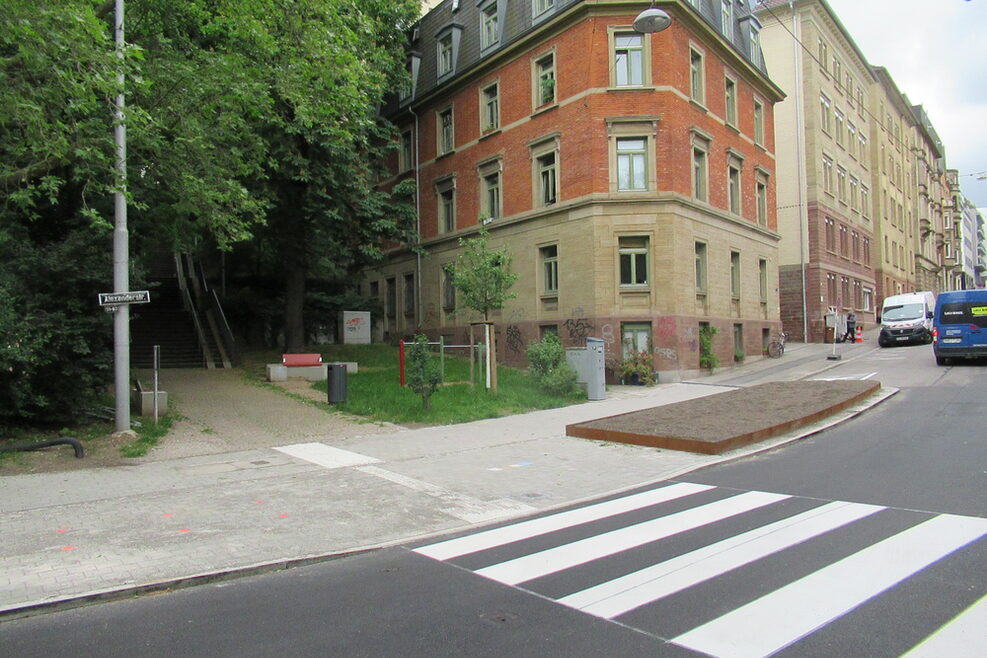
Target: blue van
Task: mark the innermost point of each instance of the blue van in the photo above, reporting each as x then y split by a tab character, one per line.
960	325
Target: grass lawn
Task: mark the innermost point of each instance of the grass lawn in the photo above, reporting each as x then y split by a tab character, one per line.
376	394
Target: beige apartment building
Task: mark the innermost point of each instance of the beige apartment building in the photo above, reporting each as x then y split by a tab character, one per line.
933	203
826	211
894	134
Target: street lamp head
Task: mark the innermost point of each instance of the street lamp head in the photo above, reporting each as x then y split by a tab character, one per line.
652	20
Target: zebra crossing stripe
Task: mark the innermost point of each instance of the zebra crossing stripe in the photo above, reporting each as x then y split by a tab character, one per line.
782	617
569	555
499	536
621	595
965	636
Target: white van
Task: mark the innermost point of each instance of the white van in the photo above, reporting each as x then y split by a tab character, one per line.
907	318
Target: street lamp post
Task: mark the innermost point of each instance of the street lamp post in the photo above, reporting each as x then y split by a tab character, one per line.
121	255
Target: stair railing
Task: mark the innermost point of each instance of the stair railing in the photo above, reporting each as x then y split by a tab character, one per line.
199	333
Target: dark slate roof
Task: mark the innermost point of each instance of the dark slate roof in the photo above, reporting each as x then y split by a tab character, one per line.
517	21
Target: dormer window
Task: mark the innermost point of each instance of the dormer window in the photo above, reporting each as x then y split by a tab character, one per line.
447	50
445	53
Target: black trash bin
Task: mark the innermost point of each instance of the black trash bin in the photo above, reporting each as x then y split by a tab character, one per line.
336	373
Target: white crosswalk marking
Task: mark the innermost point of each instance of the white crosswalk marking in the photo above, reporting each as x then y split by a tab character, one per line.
963	637
499	536
775	621
778	619
621	595
556	559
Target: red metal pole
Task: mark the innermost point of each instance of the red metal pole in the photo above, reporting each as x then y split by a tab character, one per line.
401	360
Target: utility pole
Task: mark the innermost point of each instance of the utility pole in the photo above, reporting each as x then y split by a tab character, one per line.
121	255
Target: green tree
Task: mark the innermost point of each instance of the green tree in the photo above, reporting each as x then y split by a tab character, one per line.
482	275
248	120
423	374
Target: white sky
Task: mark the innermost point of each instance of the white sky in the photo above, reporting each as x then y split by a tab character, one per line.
936	51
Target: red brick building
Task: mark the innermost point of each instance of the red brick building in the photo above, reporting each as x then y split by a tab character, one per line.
631	175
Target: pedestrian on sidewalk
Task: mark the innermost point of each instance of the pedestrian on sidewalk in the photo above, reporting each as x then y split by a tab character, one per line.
851	328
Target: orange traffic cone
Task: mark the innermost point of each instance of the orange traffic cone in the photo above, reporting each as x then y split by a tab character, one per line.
859	337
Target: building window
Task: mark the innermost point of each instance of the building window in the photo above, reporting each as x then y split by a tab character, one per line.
733	188
838	127
851	139
738	339
701	267
841	184
831	289
823	55
762	279
825	114
445	59
409	294
844	242
868	297
726	19
631	167
446	133
406	154
490	102
447	211
697	77
489	34
491	195
699	173
545	80
855	243
628	55
633	255
854	186
541	7
550	269
762	203
864	201
735	274
755	35
448	291
830	235
391	303
758	122
827	175
547	179
635	337
867	251
730	99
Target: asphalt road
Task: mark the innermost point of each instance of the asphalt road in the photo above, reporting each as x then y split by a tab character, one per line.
866	539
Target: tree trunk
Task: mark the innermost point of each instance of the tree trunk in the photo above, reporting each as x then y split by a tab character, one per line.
294	304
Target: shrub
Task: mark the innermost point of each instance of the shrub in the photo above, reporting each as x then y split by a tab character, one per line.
549	368
707	359
422	372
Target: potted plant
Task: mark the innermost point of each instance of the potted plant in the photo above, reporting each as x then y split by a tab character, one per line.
636	368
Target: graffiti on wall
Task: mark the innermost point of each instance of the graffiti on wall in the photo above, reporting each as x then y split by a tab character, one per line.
666	327
578	329
667	353
608	338
515	340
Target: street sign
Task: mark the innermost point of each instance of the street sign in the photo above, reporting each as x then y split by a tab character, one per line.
120	298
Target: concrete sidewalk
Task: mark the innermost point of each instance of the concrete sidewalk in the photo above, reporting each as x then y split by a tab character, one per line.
314	493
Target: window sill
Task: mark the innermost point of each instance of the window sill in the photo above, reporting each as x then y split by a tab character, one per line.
489	132
541	109
699	105
732	128
632	88
446	154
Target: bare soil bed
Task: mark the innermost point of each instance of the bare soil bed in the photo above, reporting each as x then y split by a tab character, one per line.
720	422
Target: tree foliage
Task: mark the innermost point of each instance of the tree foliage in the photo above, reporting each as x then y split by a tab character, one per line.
423	373
483	275
248	121
548	366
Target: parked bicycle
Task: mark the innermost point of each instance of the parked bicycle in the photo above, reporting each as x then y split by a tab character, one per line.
777	346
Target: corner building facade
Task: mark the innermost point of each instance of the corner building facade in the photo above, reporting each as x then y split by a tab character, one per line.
631	176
